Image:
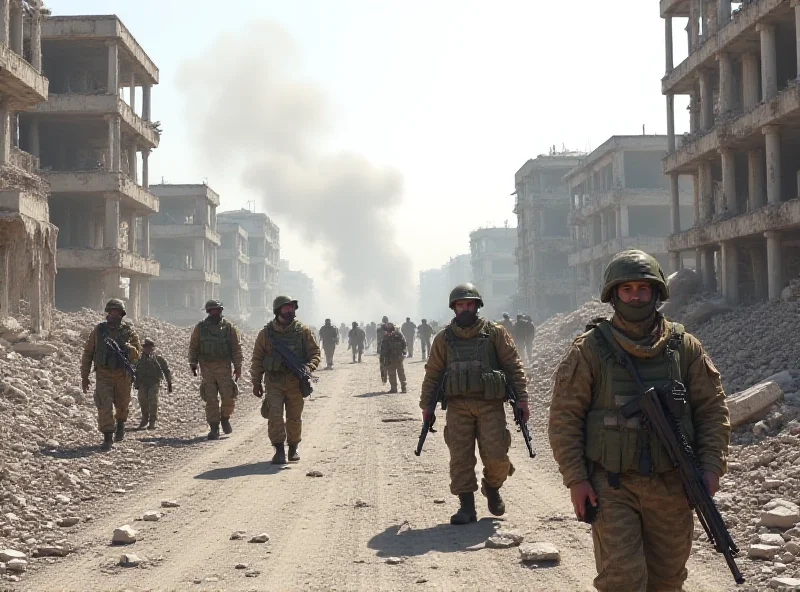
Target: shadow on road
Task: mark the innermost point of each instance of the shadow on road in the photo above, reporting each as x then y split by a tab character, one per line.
259	468
370	395
173	442
77	452
443	538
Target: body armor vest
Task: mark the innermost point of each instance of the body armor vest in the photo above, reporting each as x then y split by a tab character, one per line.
329	334
215	341
148	370
472	367
293	340
392	347
104	357
616	442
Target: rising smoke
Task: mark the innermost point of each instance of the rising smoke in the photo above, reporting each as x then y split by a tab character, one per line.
253	115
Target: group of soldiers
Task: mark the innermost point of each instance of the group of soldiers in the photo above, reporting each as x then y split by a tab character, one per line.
523	332
613	466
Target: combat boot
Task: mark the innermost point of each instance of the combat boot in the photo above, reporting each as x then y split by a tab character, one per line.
393	390
226	425
466	513
151	425
293	456
403	389
144	421
119	435
213	433
108	441
280	455
496	504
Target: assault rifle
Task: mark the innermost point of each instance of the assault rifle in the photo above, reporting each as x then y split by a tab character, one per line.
511	398
430	411
296	367
121	355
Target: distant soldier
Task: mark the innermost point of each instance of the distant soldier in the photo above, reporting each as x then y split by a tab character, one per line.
507	323
329	336
113	379
215	345
393	352
283	387
425	332
369	330
523	336
151	369
358	340
343	331
435	326
409	330
380	331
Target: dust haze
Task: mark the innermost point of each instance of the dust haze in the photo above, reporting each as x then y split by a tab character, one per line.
254	118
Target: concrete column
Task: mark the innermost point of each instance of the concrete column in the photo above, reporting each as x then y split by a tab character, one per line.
111	229
668	44
5	281
729	179
15	28
145	168
114	144
146	236
200	215
758	265
111	281
132	172
671	122
674	203
144	298
723	13
774	264
132	231
694	112
756	196
696	201
113	68
146	106
769	61
623	222
712	26
751	81
5	19
726	82
706	191
694	25
133	93
698	262
111	136
603	228
773	162
5	131
706	101
33	131
618	221
730	266
36	40
796	6
709	273
199	258
133	298
36	300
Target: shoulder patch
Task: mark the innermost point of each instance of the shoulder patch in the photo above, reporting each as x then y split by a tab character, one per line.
566	368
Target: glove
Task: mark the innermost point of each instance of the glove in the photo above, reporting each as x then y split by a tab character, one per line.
169	388
85	385
237	374
194	369
258	390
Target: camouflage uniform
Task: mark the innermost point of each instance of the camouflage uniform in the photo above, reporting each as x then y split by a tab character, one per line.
425	332
508	324
643	531
393	352
150	370
329	336
357	339
409	330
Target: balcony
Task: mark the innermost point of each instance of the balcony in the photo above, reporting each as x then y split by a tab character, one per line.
184	231
20	82
24	203
106	259
648	244
551	244
188	275
102	183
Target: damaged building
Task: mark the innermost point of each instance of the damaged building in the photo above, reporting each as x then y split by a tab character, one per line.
620	199
234	266
185	243
300	286
88	140
27	238
494	267
743	145
545	284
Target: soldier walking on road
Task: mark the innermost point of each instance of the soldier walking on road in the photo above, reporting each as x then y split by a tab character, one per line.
380	331
393	352
508	324
151	369
329	336
215	345
478	357
357	338
524	332
370	331
409	330
282	386
643	529
425	332
112	392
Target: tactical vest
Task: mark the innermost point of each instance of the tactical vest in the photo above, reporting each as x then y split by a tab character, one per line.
328	333
215	341
392	347
103	356
472	367
616	442
294	342
148	370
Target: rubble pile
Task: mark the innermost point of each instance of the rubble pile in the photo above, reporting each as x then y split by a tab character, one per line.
51	468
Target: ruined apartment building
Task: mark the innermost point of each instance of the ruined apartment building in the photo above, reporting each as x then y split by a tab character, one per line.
234	266
545	284
88	141
494	267
435	286
27	238
185	242
620	200
743	147
264	251
300	286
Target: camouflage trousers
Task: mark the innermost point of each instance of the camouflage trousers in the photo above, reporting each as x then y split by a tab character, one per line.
528	349
410	345
643	533
218	390
329	351
485	421
112	397
148	400
357	349
425	346
396	369
278	397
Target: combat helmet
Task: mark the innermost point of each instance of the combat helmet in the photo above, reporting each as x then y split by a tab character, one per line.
148	342
633	266
506	316
116	304
282	300
465	292
212	304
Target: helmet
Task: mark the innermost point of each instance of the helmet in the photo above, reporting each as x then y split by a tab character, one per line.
327	321
385	320
355	324
465	292
506	315
633	266
280	301
424	321
213	304
148	342
116	304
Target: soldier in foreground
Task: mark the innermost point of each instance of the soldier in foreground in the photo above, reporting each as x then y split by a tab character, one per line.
284	388
392	354
409	332
113	371
215	346
478	357
329	336
358	341
643	529
151	369
425	332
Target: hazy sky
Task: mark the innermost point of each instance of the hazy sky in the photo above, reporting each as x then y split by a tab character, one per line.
451	96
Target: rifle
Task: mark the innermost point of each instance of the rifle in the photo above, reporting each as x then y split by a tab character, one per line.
427	426
296	367
384	371
511	398
123	357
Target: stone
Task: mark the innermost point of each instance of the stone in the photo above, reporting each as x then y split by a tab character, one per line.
53	551
124	535
784	583
7	555
314	474
17	565
34	350
534	552
361	504
771	539
241	566
759	551
238	535
683	284
63	499
779	517
170	504
753	403
152	516
792	548
504	540
67	522
439	500
259	538
253	573
66	401
130	560
772	483
394	560
787	557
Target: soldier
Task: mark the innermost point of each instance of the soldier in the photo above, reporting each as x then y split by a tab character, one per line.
643	531
393	352
380	331
215	345
283	387
508	323
112	392
151	368
478	356
329	336
425	332
343	331
357	338
523	336
370	332
409	330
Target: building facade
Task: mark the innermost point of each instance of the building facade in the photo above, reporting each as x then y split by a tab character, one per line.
233	264
300	286
494	268
435	286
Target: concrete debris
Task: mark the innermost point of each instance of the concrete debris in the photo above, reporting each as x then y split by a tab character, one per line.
753	403
170	504
130	560
259	538
124	535
504	540
7	555
152	516
539	552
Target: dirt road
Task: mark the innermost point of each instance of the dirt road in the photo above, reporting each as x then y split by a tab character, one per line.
375	500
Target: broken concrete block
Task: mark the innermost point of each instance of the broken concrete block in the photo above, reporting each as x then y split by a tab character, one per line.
753	403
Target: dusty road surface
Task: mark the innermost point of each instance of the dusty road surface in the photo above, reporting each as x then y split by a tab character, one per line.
374	501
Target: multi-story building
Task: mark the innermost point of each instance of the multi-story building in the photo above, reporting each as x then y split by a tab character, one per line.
435	286
741	76
88	141
620	200
298	285
264	250
494	267
185	242
544	284
234	267
27	238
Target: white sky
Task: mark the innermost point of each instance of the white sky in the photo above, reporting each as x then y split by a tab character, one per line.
455	94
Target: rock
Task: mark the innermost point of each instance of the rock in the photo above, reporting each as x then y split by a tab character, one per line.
13	394
504	540
772	483
394	560
63	499
238	535
683	284
259	538
67	522
704	312
7	555
787	557
152	516
438	500
784	583
314	474
130	560
539	552
361	504
66	401
783	379
170	504
753	403
17	565
54	551
241	566
124	535
253	573
792	548
771	539
779	517
34	350
759	551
